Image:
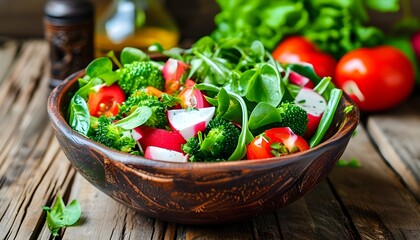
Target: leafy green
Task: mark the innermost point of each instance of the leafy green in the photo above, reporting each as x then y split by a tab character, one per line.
98	67
245	136
353	163
263	84
138	117
130	54
60	215
262	115
383	6
79	118
336	26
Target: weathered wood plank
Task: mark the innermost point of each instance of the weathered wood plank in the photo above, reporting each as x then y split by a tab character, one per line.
8	50
240	230
266	227
379	205
30	173
316	215
104	218
397	135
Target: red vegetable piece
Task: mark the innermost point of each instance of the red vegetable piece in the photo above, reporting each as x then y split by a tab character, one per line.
275	142
159	138
106	101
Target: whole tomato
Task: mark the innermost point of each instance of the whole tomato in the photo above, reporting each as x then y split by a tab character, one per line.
377	78
297	49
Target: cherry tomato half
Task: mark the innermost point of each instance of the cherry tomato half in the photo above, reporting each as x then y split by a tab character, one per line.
376	78
106	101
275	142
297	49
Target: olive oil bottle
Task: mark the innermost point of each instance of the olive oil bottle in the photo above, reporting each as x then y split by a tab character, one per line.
134	23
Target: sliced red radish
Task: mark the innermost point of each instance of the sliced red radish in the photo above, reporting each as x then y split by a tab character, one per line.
174	69
300	80
163	154
148	136
172	72
314	104
190	121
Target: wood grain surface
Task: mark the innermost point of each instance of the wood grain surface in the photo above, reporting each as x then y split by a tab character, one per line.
374	201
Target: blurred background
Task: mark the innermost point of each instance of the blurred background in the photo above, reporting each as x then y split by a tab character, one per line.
195	18
23	18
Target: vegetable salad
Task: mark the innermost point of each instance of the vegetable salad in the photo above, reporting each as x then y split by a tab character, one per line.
219	100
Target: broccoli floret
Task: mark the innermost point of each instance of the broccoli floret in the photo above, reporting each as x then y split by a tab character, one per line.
106	133
217	144
138	75
294	117
192	147
158	119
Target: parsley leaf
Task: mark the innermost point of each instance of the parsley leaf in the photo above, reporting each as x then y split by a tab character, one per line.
61	216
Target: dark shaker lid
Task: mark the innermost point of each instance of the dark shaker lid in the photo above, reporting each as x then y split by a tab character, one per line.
68	10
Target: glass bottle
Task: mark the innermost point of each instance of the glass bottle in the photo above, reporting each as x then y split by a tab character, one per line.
134	23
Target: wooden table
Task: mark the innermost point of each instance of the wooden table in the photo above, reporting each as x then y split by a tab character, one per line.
379	200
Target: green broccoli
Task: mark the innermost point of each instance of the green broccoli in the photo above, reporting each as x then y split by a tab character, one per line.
158	119
294	117
216	144
138	75
106	133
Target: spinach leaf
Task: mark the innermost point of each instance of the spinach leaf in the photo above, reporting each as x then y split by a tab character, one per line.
139	116
61	215
130	54
223	102
109	78
79	118
98	67
89	88
262	115
263	85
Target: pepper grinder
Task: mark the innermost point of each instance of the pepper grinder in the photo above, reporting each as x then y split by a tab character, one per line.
69	30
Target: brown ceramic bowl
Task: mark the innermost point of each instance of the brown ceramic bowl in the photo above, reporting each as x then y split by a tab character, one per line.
199	193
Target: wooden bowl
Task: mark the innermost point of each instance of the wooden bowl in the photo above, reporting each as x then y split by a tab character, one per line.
199	193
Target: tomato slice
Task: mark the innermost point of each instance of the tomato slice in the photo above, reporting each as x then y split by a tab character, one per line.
106	101
275	142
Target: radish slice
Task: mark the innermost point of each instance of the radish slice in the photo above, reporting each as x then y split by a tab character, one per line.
173	69
314	104
190	121
136	134
300	80
163	154
148	136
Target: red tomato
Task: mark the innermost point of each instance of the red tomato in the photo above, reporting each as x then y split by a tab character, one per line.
297	49
376	78
291	49
275	142
106	101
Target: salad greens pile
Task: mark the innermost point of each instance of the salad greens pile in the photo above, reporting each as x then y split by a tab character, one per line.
240	80
335	26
